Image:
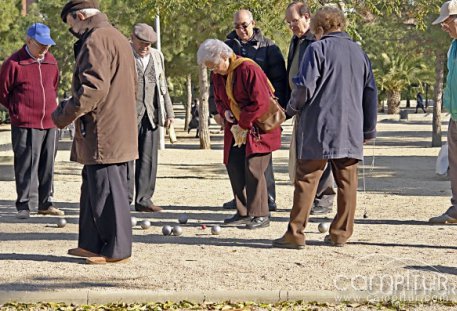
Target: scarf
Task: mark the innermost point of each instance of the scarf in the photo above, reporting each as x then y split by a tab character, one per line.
233	64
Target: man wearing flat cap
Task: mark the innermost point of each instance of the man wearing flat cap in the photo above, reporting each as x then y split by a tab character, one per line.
103	108
154	109
28	89
448	22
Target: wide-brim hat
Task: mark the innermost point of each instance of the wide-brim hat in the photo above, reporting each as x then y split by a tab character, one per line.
40	33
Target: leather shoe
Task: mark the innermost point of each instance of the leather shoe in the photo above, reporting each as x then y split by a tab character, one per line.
51	210
229	205
147	209
328	240
81	252
320	210
258	222
237	219
444	218
101	260
283	243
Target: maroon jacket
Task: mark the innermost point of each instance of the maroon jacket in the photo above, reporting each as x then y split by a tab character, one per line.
28	89
251	92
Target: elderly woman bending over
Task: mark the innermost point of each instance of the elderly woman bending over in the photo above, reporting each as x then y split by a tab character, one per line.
242	94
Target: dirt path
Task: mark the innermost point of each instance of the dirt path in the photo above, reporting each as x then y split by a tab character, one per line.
394	243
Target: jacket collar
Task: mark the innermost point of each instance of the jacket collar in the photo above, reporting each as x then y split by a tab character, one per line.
256	36
26	59
308	36
97	21
337	34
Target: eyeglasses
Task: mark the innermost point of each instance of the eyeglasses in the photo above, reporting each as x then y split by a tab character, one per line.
448	20
294	21
213	67
40	46
243	25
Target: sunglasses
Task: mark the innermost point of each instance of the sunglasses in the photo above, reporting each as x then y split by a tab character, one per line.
242	26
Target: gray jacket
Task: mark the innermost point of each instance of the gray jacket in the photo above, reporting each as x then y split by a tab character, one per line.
335	99
152	95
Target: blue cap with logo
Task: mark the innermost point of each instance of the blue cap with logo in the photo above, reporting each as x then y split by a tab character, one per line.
41	33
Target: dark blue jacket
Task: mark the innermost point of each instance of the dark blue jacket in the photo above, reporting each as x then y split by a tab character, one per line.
335	99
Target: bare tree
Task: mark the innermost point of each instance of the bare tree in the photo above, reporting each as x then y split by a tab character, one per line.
439	77
189	102
203	108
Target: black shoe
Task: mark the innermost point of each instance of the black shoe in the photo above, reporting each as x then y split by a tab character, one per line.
282	243
258	222
237	219
229	205
320	210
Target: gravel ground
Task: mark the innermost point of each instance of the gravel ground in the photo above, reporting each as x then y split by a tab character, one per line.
392	251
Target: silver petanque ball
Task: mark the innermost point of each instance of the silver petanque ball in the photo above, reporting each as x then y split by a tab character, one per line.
61	222
323	227
177	230
183	219
216	230
145	224
134	221
166	230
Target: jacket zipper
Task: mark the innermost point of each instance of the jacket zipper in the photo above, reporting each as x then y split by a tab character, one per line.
44	95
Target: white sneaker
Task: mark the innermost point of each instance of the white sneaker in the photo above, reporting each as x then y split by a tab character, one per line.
23	214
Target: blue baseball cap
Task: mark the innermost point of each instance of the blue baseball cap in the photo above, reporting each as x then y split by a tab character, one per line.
41	33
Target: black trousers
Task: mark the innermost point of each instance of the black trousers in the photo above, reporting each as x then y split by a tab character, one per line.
247	177
105	227
142	173
34	152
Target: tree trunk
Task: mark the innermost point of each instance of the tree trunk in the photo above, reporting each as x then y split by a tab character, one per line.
203	108
189	102
393	102
438	92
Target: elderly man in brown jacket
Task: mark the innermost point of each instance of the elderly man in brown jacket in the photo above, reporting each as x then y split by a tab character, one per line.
103	105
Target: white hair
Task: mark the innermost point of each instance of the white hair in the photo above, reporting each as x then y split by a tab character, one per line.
213	50
89	12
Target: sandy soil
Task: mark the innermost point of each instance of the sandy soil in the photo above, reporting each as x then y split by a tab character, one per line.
395	241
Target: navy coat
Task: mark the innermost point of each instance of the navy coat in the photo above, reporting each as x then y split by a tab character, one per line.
335	99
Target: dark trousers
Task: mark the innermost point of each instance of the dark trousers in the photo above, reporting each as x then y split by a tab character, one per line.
421	106
247	177
270	178
34	152
325	191
142	173
105	227
308	173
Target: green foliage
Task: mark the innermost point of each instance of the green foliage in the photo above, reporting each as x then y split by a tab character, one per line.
9	28
379	25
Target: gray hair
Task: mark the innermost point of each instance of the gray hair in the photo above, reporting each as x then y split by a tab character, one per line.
213	50
249	13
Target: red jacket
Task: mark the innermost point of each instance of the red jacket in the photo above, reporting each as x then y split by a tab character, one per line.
252	93
28	89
